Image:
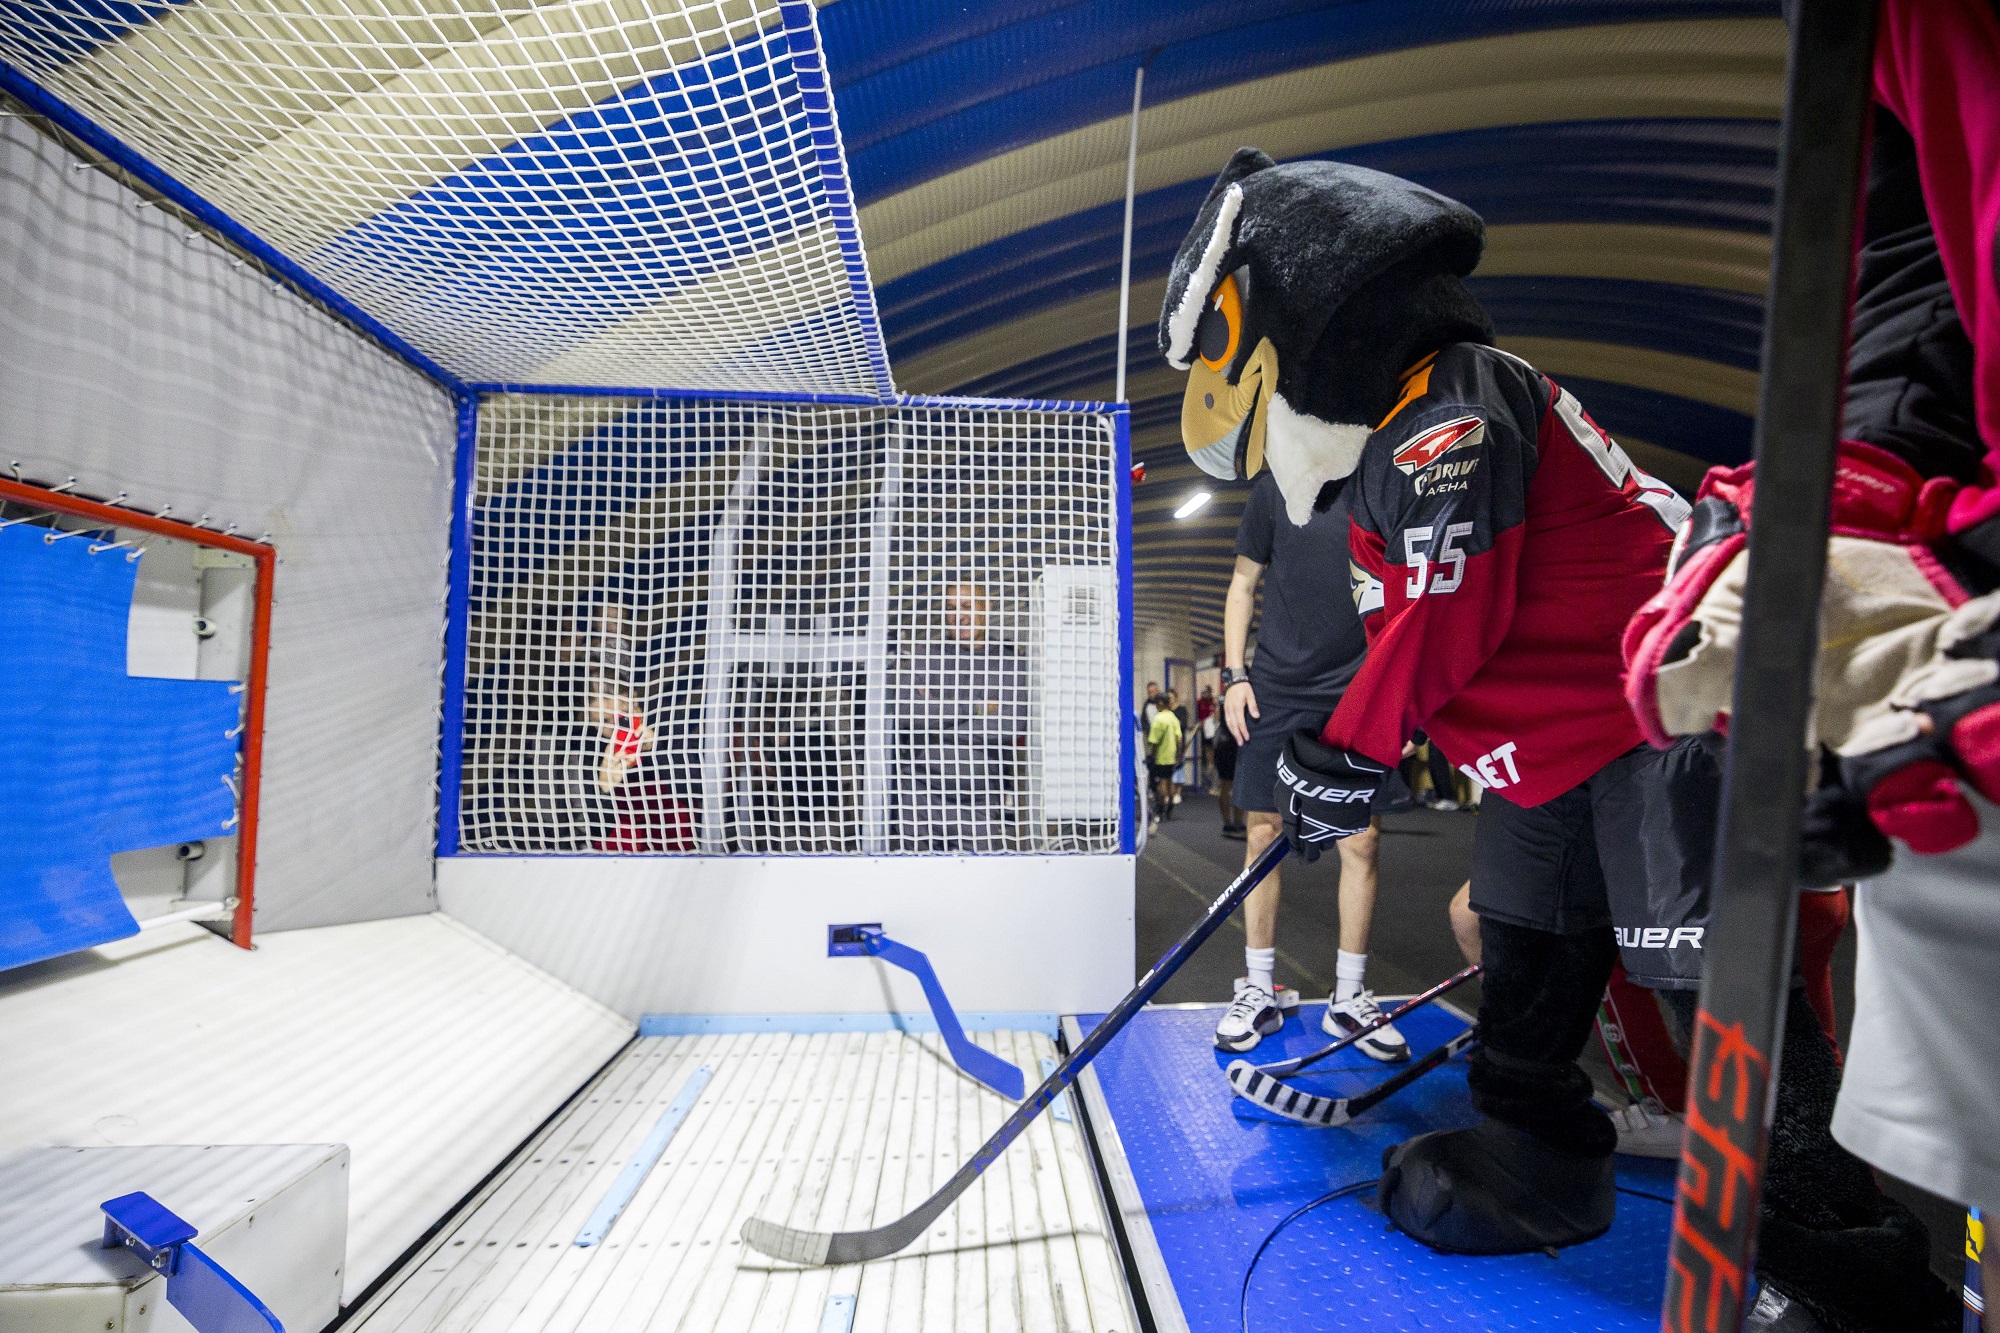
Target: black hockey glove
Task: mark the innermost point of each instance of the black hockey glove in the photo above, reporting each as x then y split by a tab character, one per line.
1329	792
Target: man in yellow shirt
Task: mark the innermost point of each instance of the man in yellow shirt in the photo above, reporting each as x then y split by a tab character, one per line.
1163	752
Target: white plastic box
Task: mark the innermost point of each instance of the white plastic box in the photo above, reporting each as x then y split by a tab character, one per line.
274	1215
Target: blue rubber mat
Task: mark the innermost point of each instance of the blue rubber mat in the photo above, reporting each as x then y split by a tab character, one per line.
1217	1174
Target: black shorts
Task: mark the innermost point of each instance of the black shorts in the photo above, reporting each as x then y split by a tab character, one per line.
1162	772
1225	762
1630	847
1257	763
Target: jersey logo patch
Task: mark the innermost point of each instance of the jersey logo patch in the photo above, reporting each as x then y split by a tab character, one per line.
1438	441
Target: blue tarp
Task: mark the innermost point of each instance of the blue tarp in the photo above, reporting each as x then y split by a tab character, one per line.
95	761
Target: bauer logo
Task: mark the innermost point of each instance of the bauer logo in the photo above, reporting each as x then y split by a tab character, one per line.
1659	937
1438	441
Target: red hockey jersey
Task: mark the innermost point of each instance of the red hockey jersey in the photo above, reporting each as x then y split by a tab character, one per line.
1511	539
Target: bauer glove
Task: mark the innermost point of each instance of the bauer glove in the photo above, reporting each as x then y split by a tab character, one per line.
1328	792
1907	685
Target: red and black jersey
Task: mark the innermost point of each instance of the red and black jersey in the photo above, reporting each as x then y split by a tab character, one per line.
1512	539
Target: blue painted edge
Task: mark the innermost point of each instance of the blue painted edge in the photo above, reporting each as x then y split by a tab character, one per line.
918	400
47	105
809	72
702	1025
1128	754
457	612
612	1205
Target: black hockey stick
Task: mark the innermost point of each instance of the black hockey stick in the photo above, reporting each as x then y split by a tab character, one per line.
1747	943
853	1247
1281	1098
1286	1068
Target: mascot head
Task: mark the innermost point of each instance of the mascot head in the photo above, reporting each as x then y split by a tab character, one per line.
1297	301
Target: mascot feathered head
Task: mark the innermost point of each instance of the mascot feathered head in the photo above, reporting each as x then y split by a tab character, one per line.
1296	302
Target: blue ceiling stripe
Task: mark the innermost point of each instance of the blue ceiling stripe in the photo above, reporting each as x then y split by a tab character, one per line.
1698	322
965	94
1699	430
63	30
592	200
1711	174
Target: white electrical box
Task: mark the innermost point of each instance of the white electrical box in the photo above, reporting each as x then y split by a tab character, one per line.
274	1215
1075	721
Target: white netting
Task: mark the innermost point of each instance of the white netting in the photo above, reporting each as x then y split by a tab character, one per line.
602	192
738	628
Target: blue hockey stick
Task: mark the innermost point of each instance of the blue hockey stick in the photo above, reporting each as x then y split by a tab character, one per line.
853	1247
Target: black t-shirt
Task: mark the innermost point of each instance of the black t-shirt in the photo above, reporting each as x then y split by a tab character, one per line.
1310	643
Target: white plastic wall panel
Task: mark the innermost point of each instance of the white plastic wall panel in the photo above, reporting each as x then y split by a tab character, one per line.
273	1215
143	361
828	1131
747	935
428	1051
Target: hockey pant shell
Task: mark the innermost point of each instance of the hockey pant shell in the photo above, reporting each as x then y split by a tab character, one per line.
1644	1052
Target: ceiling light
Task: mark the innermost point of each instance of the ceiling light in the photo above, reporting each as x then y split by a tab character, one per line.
1192	503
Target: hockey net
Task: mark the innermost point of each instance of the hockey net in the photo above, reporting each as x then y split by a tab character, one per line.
722	627
584	192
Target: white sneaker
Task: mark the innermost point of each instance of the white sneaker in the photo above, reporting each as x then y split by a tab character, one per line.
1343	1018
1645	1131
1253	1014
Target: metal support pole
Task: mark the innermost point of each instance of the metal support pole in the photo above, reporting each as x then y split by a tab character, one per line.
1733	1077
1125	262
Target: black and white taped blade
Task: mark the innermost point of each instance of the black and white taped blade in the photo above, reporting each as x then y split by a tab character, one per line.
798	1247
1281	1098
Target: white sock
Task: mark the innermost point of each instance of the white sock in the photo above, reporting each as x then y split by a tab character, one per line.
1259	963
1348	970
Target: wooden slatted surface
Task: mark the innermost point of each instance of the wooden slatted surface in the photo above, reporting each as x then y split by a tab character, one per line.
828	1130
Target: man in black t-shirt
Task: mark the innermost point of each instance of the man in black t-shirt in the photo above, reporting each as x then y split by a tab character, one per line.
1309	646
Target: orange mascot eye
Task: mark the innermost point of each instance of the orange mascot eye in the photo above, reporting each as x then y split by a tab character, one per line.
1221	327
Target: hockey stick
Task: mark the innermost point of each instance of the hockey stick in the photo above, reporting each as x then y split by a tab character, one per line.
1286	1068
852	1247
1733	1074
1281	1098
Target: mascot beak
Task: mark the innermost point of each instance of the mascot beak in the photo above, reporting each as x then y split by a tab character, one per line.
1222	422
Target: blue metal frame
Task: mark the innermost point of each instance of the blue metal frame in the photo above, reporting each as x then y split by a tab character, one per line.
457	612
53	109
916	400
809	70
1128	738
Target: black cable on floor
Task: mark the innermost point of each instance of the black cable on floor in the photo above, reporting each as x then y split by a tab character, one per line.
1243	1297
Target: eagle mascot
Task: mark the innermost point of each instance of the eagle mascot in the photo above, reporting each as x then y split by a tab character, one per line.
1321	314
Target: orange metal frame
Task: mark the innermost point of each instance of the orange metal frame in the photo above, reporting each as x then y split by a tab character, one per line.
266	558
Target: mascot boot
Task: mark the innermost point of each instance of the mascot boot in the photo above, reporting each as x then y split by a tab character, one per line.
1536	1174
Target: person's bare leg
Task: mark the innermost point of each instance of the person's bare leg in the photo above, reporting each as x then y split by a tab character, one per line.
1224	789
1465	923
1260	911
1359	857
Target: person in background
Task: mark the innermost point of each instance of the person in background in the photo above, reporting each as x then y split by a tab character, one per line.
1223	751
962	704
1163	752
1309	646
1151	705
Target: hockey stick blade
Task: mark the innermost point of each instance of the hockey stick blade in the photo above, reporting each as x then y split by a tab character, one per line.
1286	1068
1281	1098
815	1248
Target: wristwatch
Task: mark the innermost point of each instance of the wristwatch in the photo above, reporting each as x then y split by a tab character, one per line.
1232	676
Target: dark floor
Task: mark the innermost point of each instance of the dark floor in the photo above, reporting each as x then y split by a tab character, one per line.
1425	857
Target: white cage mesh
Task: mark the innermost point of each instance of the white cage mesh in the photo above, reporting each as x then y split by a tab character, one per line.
745	628
592	192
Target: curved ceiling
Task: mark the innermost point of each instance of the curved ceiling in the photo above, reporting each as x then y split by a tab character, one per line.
1623	153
